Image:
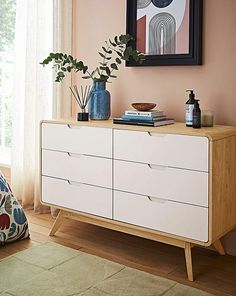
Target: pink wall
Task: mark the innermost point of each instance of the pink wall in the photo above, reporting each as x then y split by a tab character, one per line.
214	82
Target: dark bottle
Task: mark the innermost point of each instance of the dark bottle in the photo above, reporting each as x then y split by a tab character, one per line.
196	115
189	108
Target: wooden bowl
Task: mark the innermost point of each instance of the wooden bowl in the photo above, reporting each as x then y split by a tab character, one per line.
143	106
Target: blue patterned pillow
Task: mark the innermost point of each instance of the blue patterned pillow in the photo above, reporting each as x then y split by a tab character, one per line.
13	222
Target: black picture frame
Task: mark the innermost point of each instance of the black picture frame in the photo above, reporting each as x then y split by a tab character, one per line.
194	57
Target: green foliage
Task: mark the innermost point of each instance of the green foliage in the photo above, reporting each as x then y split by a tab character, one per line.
7	23
112	55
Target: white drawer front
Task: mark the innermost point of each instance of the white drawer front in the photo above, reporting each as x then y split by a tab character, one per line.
77	139
79	197
77	167
181	151
166	216
164	182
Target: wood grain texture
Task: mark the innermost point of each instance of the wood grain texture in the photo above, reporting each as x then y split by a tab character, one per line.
188	259
222	187
57	223
219	247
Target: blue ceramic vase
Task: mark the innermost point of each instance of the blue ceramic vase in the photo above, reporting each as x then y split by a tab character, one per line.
99	102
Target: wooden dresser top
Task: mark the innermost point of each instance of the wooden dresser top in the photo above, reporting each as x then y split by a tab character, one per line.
212	133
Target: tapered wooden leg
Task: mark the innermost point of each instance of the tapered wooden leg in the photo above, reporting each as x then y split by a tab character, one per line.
219	247
57	223
188	258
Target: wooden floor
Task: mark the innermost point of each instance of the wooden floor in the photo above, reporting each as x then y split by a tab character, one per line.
213	273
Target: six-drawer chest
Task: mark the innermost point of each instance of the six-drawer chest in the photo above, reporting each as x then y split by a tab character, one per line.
172	184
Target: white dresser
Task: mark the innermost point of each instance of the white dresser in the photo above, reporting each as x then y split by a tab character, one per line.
171	184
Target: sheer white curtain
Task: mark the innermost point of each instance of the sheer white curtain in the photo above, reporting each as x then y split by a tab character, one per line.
36	98
63	42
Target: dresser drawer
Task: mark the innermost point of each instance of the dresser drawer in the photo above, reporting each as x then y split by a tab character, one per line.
180	151
77	139
79	197
166	216
165	182
77	167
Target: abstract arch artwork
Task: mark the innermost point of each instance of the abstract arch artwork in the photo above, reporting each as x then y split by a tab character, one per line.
163	22
162	30
166	31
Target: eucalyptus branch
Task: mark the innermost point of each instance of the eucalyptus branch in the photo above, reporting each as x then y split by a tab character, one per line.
119	46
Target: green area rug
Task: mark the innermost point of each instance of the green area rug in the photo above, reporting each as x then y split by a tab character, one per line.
51	269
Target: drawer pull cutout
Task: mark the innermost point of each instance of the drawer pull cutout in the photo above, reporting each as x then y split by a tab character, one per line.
157	167
157	199
73	126
74	155
73	183
160	135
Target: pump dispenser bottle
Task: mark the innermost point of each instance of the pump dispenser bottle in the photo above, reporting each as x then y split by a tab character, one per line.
196	115
189	108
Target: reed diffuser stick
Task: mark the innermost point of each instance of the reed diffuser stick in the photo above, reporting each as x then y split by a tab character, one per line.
83	97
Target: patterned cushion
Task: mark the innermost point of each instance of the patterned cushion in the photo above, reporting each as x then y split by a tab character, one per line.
13	222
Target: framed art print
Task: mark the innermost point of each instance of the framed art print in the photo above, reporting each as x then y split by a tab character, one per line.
167	32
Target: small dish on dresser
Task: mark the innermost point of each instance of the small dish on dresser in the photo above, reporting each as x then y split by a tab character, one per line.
143	106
